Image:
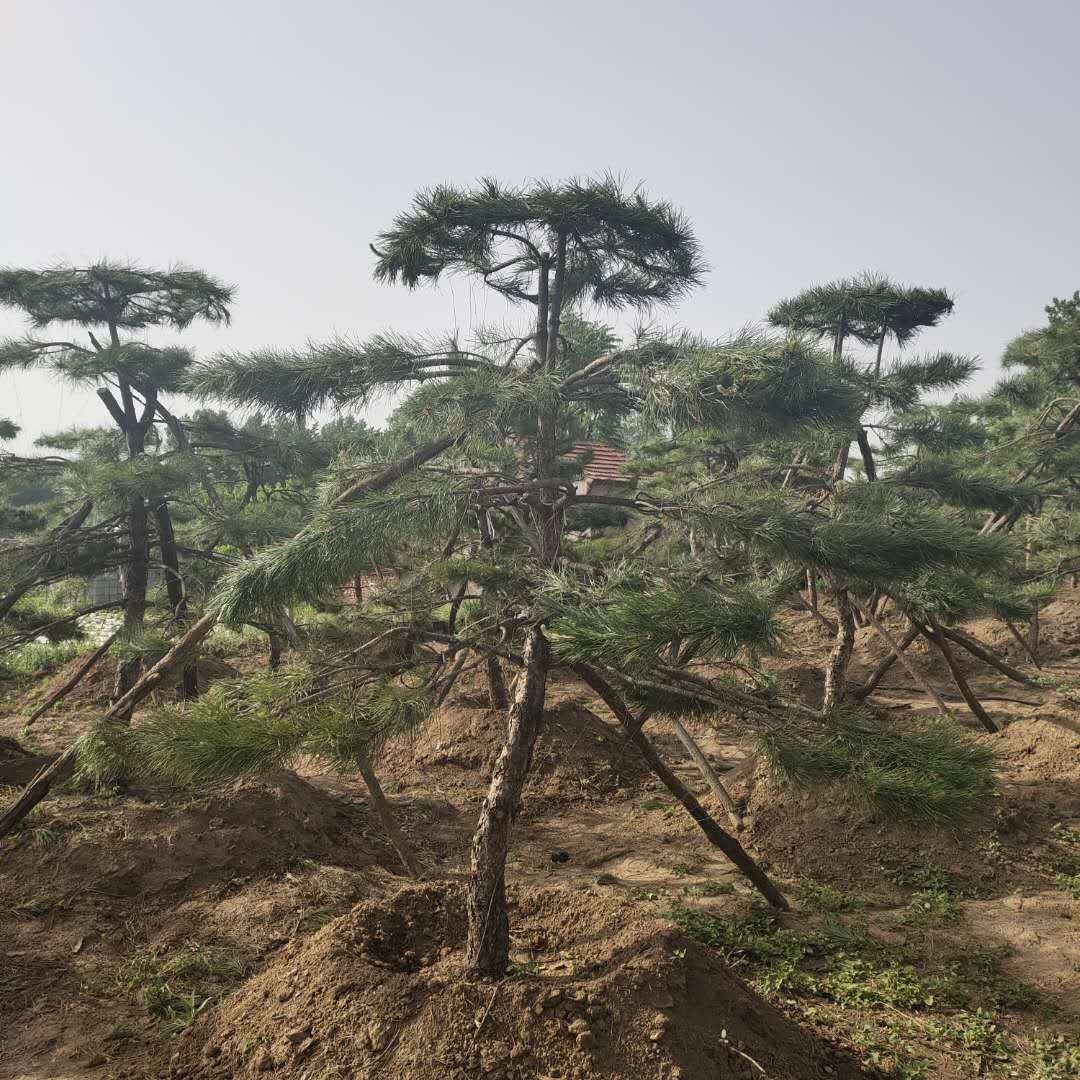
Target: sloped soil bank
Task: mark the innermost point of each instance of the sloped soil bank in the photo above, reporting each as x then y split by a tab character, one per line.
152	849
597	991
91	883
18	766
828	835
577	756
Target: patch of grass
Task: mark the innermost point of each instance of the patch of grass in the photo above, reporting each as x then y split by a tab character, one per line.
1070	883
927	877
825	898
38	907
41	656
163	983
1053	1058
931	907
843	964
903	1007
710	888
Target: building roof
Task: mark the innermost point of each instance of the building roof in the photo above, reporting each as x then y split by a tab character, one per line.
601	462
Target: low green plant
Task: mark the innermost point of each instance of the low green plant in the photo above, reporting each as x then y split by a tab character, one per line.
163	983
1055	1057
710	888
933	773
825	898
931	907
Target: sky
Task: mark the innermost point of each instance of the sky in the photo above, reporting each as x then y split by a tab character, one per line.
268	143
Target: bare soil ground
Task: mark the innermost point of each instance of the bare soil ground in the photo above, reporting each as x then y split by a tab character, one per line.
264	927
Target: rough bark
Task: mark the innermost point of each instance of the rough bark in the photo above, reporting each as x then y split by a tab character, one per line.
867	454
487	951
716	836
496	683
174	587
386	816
135	581
840	658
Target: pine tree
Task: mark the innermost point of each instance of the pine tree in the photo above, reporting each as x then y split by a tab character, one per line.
112	299
507	403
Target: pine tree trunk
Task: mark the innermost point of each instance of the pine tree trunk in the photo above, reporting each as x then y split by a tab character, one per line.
135	581
386	816
713	832
273	659
174	587
867	454
880	350
840	658
498	698
487	951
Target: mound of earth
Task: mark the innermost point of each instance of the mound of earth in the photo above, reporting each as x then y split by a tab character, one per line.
600	991
828	836
18	766
1042	749
96	685
162	848
577	756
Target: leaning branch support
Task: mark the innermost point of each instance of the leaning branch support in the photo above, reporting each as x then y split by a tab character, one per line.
118	713
715	834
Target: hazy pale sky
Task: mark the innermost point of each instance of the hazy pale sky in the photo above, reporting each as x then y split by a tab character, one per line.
268	142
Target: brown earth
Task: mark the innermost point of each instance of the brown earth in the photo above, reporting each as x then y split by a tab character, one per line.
380	992
259	882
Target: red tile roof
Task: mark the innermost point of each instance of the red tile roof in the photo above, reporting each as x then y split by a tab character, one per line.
602	462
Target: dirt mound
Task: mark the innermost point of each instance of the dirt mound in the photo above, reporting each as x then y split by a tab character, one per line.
18	766
577	756
1042	749
96	685
826	835
599	992
162	849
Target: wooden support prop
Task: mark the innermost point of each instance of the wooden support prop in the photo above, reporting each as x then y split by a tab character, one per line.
707	771
933	634
63	691
913	671
714	833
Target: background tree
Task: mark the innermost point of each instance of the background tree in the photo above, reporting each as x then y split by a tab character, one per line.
130	375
